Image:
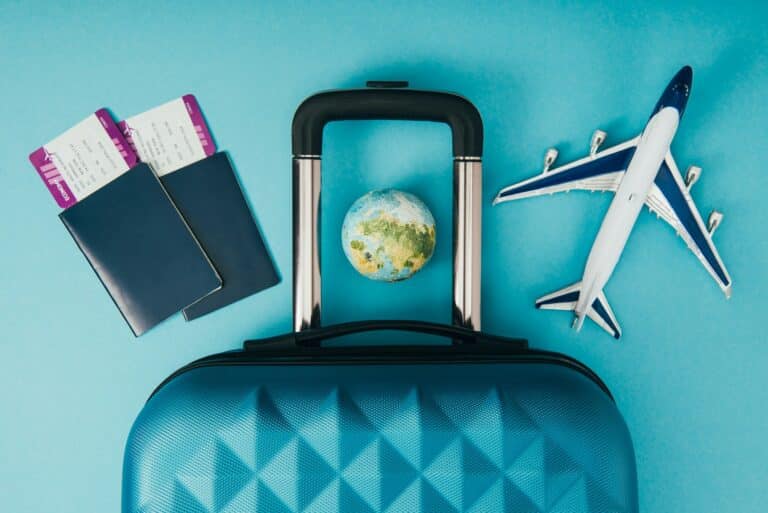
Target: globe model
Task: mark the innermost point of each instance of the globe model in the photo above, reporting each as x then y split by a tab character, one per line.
388	235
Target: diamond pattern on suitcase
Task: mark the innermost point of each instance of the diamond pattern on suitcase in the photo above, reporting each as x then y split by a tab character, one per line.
362	449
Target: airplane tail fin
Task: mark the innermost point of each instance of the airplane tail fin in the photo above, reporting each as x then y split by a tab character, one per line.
567	298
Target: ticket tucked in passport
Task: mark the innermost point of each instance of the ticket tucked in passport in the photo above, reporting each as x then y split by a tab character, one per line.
83	159
171	136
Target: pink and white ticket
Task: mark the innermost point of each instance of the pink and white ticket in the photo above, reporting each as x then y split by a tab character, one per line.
83	159
170	136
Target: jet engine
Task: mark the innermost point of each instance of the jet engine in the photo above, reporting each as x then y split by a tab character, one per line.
598	138
715	218
692	176
549	158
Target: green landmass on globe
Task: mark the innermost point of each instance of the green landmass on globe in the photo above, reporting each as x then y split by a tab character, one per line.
388	235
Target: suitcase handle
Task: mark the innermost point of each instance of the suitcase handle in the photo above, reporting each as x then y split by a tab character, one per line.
381	101
387	100
459	336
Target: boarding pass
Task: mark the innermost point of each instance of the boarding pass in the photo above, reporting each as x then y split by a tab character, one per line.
171	136
83	159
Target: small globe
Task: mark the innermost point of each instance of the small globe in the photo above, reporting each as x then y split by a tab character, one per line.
388	235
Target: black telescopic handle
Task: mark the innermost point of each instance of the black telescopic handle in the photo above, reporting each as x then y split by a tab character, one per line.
386	103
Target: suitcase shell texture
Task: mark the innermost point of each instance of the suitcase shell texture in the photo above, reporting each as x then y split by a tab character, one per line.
483	424
437	438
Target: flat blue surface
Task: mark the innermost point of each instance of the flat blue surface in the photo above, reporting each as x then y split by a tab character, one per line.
690	372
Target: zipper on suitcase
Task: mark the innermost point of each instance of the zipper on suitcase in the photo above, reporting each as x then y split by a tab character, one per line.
280	354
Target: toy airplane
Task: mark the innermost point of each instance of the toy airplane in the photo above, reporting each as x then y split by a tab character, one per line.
640	172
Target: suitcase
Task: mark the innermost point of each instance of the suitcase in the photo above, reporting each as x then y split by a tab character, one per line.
481	423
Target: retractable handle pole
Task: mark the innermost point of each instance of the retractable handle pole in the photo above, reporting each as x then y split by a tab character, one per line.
387	100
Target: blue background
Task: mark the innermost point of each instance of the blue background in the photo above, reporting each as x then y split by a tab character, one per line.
690	372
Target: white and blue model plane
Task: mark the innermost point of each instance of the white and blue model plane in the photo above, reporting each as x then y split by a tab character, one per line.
640	171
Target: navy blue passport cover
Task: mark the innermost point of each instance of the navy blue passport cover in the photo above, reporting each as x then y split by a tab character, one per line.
141	248
209	197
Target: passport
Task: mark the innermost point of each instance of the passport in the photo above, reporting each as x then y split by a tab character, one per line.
141	248
208	195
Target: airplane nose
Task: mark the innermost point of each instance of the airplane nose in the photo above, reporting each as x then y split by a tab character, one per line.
677	91
680	88
684	77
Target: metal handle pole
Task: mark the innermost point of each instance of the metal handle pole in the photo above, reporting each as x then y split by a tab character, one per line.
467	241
306	242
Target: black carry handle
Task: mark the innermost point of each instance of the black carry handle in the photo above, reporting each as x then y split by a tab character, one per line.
385	100
460	336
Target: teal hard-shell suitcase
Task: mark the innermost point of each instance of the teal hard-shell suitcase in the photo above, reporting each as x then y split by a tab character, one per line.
288	424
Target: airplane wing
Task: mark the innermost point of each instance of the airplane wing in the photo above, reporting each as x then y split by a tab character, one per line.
602	171
671	200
